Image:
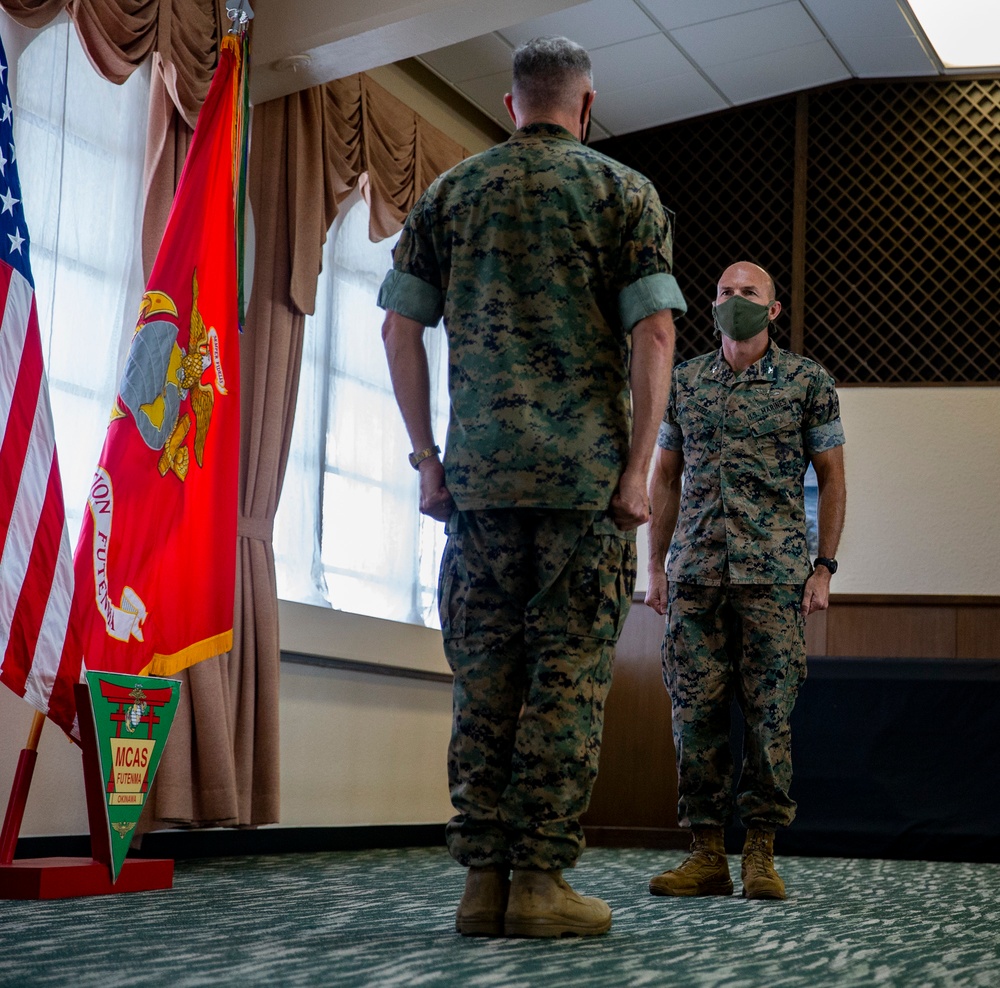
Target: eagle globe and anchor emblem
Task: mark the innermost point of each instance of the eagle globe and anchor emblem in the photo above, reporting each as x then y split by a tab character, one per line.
160	376
137	710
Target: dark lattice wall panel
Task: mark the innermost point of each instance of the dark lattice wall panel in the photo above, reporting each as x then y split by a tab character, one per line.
903	223
729	179
901	201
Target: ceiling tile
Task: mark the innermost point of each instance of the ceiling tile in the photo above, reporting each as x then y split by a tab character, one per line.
592	24
779	72
886	57
655	103
632	63
873	36
485	55
671	14
875	18
745	36
488	93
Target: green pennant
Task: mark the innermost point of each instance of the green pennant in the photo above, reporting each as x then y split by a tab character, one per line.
132	717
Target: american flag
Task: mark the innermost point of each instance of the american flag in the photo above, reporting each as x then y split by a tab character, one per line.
39	659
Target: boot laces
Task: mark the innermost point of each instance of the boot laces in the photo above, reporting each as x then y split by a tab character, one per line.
758	853
702	852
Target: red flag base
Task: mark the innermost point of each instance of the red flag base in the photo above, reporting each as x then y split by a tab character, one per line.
68	878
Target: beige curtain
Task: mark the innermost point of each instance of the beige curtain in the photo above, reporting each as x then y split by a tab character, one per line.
308	152
220	767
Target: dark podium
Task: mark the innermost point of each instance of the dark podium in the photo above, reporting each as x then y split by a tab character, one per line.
897	758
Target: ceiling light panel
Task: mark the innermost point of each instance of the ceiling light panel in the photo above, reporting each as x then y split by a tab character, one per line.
964	33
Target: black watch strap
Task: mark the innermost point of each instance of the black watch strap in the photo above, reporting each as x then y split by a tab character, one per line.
830	564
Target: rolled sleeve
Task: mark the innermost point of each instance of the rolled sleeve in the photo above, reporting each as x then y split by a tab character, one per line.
821	438
648	295
411	297
670	436
822	427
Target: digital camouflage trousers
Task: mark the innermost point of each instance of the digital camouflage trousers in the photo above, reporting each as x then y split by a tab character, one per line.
736	640
532	602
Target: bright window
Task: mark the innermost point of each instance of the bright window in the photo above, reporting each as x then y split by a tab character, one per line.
810	487
348	532
80	150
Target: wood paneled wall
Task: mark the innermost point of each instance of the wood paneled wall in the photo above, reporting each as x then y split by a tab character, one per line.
634	803
897	626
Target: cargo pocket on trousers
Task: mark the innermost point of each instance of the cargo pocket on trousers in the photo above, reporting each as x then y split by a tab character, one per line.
453	581
600	590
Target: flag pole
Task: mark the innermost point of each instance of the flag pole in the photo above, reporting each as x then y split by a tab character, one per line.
19	791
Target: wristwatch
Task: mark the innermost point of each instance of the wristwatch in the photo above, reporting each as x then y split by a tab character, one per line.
830	564
418	456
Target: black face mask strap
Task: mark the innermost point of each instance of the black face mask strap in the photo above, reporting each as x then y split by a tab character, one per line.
584	128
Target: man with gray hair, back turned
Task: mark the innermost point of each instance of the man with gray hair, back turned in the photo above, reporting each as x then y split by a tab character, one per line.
550	264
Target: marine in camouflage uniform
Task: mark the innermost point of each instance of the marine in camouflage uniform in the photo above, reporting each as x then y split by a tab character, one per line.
550	264
734	447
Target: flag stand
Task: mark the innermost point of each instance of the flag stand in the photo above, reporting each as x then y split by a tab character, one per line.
19	790
70	877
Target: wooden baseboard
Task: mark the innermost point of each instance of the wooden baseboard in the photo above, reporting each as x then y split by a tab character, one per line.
184	844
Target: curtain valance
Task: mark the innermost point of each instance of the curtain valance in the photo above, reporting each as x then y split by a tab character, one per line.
338	132
119	35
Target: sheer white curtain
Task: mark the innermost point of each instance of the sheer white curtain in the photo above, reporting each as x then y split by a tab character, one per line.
348	533
80	147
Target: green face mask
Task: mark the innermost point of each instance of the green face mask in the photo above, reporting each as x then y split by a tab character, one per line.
739	318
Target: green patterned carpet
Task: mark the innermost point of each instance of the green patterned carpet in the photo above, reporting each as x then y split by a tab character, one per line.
386	918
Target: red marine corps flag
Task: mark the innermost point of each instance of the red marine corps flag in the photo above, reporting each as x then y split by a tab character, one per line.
155	563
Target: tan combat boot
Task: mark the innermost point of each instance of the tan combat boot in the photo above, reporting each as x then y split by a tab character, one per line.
705	871
484	902
542	904
760	880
